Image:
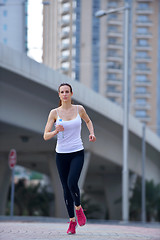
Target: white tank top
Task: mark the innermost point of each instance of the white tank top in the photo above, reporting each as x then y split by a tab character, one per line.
71	140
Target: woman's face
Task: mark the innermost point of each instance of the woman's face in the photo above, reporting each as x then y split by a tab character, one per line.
65	93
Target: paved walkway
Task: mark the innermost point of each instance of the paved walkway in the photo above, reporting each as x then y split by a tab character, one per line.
18	230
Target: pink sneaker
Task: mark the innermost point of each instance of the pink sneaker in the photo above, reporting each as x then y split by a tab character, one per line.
81	217
72	227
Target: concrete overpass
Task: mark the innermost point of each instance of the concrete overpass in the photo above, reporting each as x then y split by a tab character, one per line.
28	91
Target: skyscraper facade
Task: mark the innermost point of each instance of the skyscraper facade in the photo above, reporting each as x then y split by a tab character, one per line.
91	50
13	24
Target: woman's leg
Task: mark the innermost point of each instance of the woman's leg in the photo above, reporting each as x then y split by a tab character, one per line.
74	174
63	166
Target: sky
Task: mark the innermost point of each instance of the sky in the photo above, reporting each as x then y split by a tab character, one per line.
35	37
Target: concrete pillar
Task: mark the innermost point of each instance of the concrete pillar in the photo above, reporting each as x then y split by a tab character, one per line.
87	156
5	176
59	208
113	189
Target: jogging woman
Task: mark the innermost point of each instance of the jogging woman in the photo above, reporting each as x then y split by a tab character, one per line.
69	150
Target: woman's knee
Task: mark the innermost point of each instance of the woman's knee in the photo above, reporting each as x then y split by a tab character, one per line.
72	185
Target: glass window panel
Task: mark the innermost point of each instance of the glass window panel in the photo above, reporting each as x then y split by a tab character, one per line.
142	30
142	18
141	113
141	101
141	90
142	66
143	42
143	5
141	78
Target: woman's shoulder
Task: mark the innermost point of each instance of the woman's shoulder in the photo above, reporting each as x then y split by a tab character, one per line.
81	109
53	112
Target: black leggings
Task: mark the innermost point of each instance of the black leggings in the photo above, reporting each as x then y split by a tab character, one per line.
69	166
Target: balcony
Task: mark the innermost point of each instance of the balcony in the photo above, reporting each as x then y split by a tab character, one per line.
112	5
143	83
65	11
65	70
142	106
111	33
65	35
114	65
65	23
144	35
65	1
114	70
142	95
143	47
114	93
144	10
114	57
144	23
143	71
143	59
65	59
115	46
65	46
146	118
114	81
117	21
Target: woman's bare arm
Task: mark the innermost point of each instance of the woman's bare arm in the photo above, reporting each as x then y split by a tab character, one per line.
48	133
88	122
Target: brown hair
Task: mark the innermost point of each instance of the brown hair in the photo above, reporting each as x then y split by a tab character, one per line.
64	84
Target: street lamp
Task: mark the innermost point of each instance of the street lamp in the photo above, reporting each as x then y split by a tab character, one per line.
125	205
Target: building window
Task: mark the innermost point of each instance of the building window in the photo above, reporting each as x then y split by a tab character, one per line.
141	90
112	52
5	27
5	40
112	40
112	28
141	101
143	42
65	53
111	88
141	113
112	16
5	13
112	99
142	66
143	6
142	54
77	42
95	45
114	65
113	4
142	18
141	78
142	30
112	76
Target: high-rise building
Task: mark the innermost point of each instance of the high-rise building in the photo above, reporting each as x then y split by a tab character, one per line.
13	24
91	50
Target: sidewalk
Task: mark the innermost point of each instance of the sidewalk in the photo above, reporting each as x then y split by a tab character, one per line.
21	230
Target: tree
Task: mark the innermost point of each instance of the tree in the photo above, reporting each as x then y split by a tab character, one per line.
33	200
152	201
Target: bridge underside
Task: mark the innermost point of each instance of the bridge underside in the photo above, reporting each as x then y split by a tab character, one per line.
36	154
28	91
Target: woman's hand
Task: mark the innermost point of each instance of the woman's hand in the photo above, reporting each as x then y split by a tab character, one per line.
92	138
59	128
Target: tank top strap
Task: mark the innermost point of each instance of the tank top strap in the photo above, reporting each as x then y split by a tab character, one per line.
57	112
77	110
